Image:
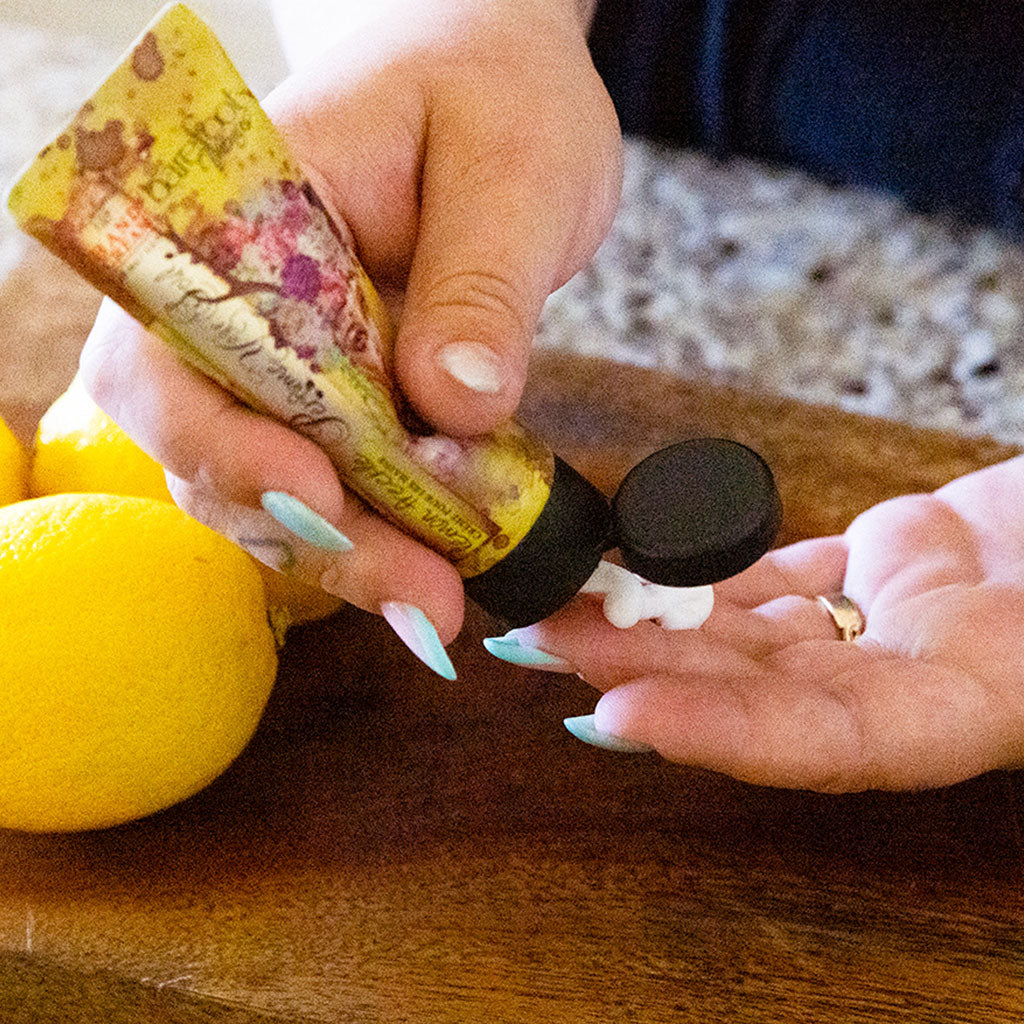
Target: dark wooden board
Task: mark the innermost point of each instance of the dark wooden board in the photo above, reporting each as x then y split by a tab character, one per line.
392	847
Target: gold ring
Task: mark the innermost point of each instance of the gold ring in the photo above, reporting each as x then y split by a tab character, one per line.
847	616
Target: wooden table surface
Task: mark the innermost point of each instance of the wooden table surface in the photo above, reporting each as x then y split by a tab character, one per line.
392	847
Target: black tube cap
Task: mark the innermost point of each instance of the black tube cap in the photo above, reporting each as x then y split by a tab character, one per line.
696	512
550	564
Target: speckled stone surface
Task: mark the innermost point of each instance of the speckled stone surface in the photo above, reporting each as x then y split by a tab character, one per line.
733	273
744	275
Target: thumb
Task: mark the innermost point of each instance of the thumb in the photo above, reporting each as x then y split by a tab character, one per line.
490	248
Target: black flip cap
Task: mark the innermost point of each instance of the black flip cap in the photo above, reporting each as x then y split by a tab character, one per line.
696	513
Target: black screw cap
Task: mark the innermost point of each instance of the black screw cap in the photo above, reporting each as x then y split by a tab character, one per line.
696	512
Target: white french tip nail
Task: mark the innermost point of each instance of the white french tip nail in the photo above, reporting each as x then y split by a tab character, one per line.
473	365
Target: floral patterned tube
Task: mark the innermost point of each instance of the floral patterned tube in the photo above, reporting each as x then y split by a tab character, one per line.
174	194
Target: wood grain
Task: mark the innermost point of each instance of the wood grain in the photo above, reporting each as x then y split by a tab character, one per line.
33	990
392	847
829	464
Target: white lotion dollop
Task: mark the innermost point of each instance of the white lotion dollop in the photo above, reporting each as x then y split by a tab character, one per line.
630	599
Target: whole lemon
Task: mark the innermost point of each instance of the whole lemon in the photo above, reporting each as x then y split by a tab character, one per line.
135	664
78	447
13	467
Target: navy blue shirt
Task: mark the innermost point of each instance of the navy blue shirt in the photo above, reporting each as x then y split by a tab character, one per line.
921	98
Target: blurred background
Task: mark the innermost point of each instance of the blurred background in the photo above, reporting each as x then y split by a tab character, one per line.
729	272
245	26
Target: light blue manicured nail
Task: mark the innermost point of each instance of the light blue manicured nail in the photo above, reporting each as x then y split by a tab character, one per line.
417	632
293	515
517	654
582	727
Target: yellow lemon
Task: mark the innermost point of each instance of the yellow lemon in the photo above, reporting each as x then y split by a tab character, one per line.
135	662
13	467
78	447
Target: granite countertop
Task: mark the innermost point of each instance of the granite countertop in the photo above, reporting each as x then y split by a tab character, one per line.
732	273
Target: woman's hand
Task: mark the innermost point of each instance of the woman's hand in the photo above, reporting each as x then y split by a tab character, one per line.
472	150
931	694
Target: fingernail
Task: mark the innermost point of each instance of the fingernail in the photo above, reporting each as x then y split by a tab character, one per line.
515	653
293	515
582	727
472	364
414	629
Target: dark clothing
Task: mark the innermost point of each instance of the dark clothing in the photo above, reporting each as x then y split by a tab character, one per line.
922	98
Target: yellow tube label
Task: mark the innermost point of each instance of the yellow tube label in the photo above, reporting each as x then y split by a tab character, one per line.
172	192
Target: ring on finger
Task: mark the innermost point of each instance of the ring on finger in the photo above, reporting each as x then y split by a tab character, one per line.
845	614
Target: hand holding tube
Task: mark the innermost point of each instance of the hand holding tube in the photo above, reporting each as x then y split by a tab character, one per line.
470	182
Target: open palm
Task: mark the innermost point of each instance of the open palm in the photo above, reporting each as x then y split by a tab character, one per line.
932	693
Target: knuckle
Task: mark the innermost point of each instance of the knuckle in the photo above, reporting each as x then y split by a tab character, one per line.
195	449
250	529
203	505
904	510
491	295
335	578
